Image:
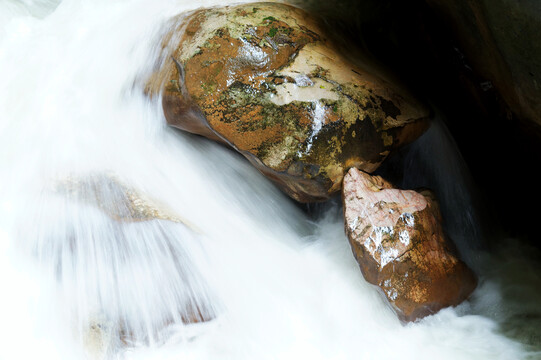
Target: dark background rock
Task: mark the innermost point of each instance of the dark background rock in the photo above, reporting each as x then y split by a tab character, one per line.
501	39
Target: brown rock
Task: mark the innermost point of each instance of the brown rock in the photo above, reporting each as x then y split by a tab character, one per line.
397	239
264	79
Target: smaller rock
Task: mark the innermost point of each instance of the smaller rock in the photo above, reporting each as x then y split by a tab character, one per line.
398	241
98	338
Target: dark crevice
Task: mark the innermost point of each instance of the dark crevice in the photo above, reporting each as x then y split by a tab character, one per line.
411	42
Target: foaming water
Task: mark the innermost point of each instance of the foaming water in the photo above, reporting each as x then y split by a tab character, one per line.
122	238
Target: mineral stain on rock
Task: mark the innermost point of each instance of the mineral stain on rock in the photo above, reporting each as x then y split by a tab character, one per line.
263	79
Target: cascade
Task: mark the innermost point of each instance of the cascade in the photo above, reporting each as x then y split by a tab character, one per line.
121	238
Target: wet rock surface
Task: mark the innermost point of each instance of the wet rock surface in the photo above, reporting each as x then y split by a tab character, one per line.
263	79
398	241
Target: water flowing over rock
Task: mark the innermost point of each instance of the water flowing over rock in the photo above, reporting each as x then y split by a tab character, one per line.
119	201
264	79
398	241
125	207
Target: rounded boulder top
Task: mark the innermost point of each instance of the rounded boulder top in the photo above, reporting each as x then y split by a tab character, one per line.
265	79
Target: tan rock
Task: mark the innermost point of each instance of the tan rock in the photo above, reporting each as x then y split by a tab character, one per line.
117	200
398	241
264	79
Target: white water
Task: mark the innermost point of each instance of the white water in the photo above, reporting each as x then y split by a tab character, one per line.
278	285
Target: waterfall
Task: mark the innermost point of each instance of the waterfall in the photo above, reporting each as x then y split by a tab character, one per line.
121	238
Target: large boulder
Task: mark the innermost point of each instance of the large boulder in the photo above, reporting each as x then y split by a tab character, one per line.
501	39
264	79
398	241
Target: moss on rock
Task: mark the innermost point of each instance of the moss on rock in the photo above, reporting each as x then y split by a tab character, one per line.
264	79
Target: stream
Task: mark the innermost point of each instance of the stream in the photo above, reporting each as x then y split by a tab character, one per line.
265	279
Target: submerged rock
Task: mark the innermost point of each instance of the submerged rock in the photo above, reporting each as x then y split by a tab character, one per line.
398	241
126	207
98	338
264	79
119	201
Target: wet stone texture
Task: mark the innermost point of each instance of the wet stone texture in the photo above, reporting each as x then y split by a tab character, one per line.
263	79
397	239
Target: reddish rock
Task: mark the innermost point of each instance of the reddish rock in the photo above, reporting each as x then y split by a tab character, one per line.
263	79
398	241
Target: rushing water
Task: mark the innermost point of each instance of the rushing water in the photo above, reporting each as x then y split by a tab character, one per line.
77	137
